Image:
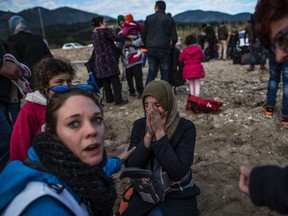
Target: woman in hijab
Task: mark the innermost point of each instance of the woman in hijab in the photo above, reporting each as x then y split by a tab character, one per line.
163	137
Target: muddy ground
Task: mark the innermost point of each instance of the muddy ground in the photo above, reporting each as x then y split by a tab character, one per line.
236	134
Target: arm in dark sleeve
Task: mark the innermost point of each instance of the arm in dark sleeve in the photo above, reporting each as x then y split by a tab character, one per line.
144	33
177	162
140	157
268	186
174	36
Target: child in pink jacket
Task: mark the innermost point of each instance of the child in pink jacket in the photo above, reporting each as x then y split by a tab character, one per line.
193	70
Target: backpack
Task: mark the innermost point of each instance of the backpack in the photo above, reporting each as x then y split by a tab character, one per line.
126	196
35	190
197	104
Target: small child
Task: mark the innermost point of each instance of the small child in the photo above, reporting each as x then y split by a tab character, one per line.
31	118
193	70
131	31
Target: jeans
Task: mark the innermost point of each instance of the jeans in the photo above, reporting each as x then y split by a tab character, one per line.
274	80
158	59
155	212
256	55
5	135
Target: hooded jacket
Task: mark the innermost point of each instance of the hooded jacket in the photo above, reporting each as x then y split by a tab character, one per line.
192	56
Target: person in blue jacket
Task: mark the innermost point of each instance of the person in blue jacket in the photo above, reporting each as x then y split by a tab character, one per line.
67	171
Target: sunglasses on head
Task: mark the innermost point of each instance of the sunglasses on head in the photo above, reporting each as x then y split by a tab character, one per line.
280	41
64	88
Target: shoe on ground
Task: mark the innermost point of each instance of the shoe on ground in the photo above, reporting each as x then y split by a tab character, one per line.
262	67
140	95
250	69
122	103
268	110
284	120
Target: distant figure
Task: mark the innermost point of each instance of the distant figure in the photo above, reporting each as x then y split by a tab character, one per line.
211	38
193	70
255	46
222	41
233	42
159	36
107	61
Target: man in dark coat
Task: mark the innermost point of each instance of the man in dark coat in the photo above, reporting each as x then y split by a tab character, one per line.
159	36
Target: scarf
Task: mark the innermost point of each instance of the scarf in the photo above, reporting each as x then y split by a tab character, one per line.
90	182
162	91
16	24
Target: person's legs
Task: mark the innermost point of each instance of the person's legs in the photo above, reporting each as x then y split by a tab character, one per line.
5	135
197	87
285	88
225	45
191	85
117	89
108	91
138	75
220	49
153	66
130	82
155	212
252	53
274	79
164	63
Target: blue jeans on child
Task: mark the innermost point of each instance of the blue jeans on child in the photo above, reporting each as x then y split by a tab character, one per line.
158	60
5	135
275	77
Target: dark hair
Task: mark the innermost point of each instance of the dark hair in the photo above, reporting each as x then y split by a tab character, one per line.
267	11
190	39
96	21
48	68
56	102
161	5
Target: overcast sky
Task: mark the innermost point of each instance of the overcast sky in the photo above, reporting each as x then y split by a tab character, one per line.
139	8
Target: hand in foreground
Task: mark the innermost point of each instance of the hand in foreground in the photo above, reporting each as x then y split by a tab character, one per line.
126	153
244	180
10	70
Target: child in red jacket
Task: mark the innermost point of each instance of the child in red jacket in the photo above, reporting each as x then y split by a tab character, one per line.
193	70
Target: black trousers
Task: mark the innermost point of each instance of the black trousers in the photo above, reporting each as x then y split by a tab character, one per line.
116	94
136	73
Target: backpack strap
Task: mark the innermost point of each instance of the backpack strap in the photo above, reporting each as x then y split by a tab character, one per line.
35	190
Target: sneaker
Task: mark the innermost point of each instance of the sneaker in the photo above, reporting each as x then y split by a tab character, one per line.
284	120
122	103
25	71
268	110
132	94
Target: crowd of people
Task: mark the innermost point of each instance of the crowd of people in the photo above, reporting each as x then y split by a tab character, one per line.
55	142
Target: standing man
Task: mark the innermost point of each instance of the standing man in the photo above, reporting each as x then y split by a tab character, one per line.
159	36
222	41
8	71
267	185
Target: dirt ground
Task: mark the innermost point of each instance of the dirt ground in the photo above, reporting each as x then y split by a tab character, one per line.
236	134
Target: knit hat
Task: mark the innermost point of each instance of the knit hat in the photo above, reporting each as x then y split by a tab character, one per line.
120	19
17	23
129	18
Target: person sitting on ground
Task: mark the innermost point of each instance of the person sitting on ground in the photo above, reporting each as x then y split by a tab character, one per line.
64	173
164	138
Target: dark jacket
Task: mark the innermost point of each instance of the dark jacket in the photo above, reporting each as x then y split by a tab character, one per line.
4	82
159	32
106	54
268	186
28	48
176	157
222	33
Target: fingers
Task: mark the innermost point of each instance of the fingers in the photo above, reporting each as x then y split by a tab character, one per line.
244	180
